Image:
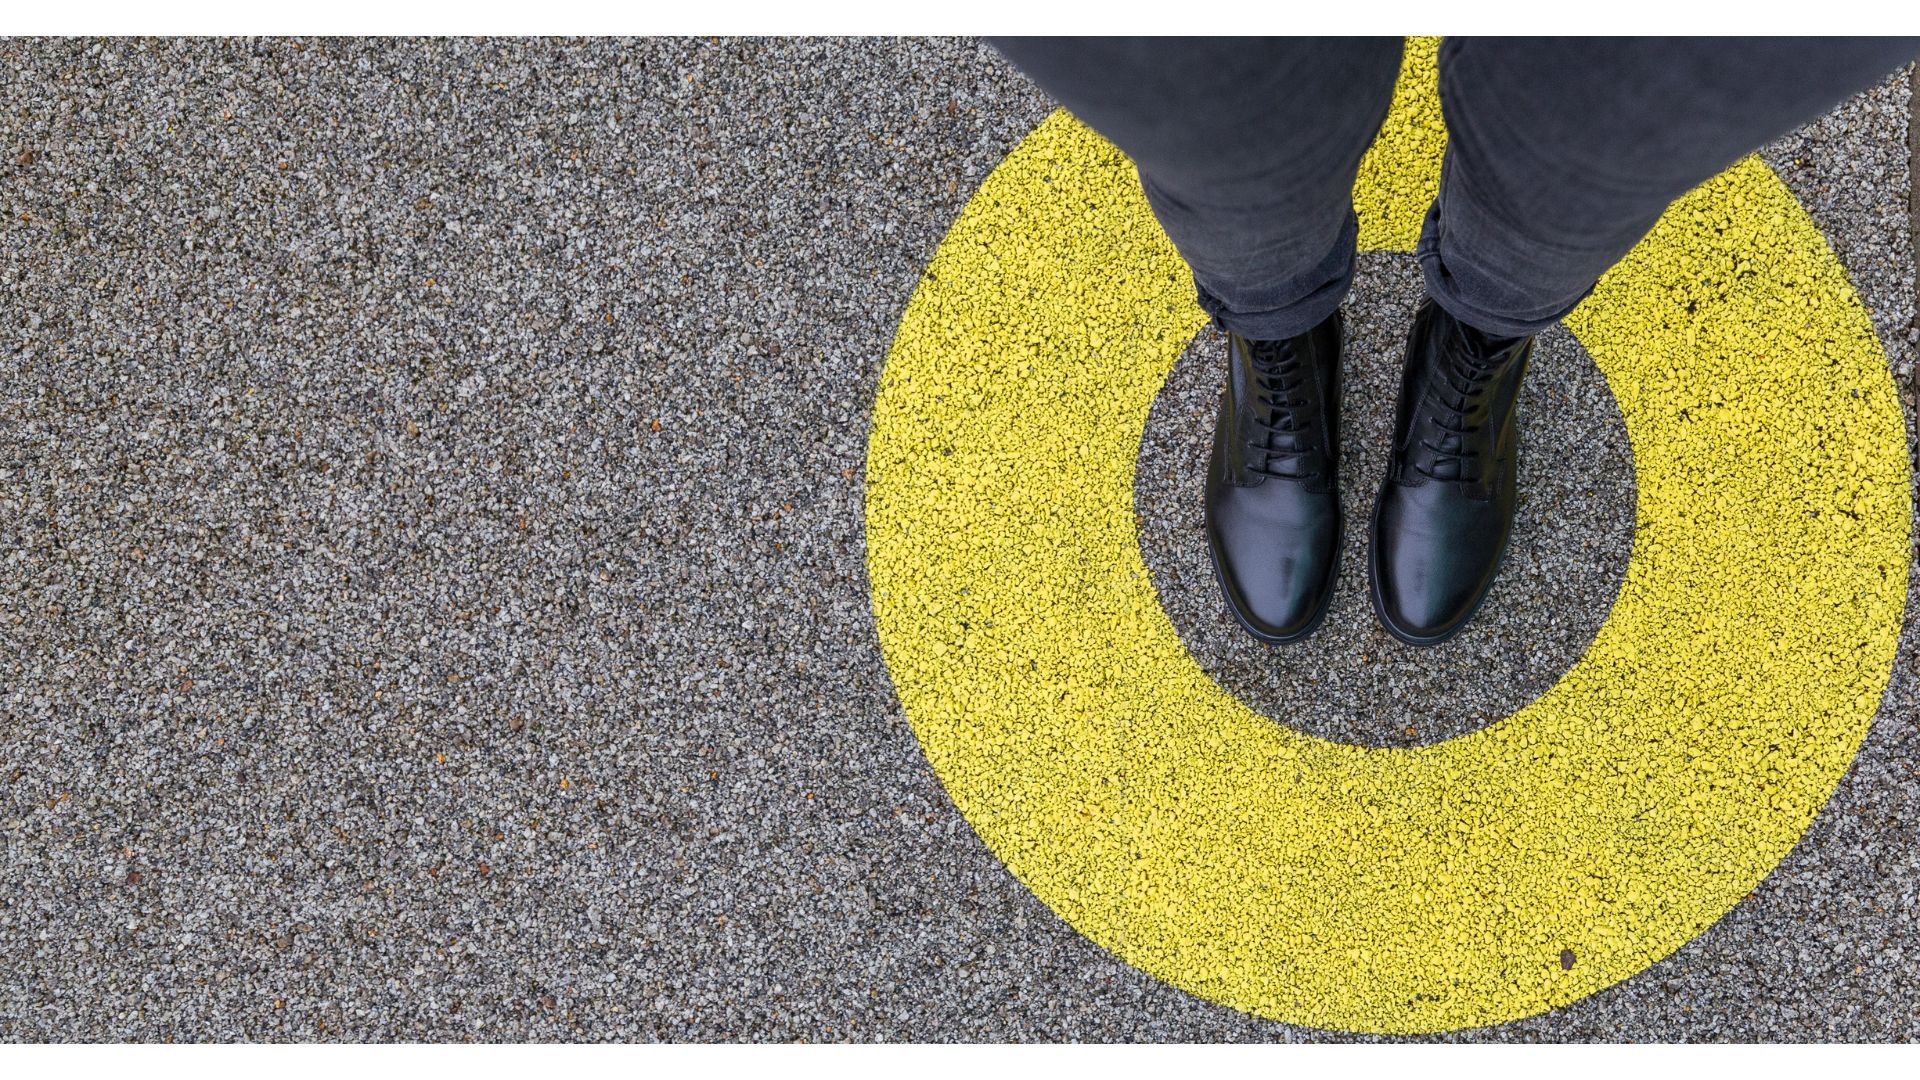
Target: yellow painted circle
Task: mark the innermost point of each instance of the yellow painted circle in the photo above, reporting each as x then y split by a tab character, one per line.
1388	890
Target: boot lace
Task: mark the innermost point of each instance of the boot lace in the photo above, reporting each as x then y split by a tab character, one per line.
1286	450
1467	373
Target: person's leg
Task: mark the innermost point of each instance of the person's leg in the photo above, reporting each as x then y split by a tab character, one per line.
1563	153
1247	150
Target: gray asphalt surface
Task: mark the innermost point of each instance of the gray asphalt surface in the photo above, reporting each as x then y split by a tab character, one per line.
432	592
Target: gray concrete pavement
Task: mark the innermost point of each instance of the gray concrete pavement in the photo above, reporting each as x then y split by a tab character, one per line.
432	589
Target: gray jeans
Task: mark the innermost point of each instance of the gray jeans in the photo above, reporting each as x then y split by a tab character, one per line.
1561	153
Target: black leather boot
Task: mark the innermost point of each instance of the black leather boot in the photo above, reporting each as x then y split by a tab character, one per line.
1273	495
1445	511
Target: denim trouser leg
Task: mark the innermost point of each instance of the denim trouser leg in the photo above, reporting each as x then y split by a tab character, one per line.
1247	151
1561	153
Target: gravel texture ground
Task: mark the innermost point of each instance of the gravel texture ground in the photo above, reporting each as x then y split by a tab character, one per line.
432	586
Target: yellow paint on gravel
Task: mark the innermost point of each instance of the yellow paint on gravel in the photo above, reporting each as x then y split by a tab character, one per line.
1388	890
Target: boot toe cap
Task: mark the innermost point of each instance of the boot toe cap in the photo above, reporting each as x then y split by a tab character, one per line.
1425	613
1430	576
1279	587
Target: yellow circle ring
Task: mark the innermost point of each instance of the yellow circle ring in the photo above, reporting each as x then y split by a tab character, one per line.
1388	890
